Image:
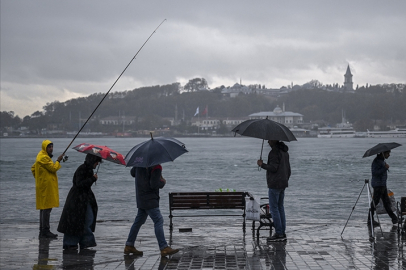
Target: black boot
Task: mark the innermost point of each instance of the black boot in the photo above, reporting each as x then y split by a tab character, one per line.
47	234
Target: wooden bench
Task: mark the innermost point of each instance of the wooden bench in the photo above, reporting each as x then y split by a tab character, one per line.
205	201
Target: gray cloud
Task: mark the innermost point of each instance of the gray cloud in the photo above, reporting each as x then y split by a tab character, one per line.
55	50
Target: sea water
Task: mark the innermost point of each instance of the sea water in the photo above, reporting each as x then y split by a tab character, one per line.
328	175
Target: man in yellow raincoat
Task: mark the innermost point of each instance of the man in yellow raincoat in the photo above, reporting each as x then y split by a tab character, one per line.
46	186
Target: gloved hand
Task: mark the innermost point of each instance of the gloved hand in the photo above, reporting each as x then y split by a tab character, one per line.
65	158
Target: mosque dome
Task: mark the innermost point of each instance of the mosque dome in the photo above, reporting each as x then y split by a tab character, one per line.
277	109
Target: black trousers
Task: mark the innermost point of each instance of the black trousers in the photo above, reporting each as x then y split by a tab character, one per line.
381	193
44	216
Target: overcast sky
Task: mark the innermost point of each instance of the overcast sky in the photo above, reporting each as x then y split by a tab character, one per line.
58	50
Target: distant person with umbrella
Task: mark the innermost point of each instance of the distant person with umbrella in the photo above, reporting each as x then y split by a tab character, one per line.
46	186
379	169
78	219
277	176
146	158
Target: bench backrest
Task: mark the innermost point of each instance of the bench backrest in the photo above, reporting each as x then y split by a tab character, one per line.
207	200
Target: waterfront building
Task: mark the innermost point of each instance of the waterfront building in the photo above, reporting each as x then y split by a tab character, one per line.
279	115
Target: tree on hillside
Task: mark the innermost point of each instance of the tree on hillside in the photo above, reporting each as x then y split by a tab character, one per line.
196	84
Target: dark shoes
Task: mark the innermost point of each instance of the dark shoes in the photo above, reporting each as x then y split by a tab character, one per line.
89	246
133	250
395	221
168	251
277	238
70	247
48	234
374	223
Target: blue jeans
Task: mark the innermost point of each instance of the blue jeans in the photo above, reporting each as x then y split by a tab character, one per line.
277	209
155	215
87	238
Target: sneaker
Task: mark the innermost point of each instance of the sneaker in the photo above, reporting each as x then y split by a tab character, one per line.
168	251
133	250
277	238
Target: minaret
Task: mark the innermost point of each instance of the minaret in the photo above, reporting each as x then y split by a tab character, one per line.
348	85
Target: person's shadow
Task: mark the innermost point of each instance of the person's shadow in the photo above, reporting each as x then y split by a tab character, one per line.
84	259
385	249
43	254
278	257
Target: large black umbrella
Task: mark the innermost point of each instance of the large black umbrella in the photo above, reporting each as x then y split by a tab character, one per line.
264	129
380	147
155	151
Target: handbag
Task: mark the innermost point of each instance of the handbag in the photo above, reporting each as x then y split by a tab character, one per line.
252	209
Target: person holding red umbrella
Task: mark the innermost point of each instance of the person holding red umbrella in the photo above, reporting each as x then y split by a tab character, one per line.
78	219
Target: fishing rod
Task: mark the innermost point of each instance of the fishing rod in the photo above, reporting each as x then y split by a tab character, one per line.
112	87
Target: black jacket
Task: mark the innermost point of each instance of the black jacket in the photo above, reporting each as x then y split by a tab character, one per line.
147	185
73	216
379	172
278	167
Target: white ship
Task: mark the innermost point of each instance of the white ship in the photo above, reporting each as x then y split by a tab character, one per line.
342	130
396	133
329	132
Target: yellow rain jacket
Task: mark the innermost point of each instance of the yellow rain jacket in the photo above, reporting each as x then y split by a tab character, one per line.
46	180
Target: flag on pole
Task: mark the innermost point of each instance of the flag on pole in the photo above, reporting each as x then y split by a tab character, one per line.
197	111
206	111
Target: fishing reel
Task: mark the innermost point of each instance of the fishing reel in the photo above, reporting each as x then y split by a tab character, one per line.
65	158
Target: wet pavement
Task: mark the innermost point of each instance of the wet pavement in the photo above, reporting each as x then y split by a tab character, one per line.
213	244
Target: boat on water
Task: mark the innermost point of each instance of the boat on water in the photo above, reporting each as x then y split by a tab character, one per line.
342	130
396	133
329	132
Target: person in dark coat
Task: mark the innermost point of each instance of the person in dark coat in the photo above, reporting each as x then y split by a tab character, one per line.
277	177
379	169
78	219
148	181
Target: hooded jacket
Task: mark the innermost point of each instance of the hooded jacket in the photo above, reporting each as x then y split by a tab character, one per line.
73	216
278	167
147	185
46	181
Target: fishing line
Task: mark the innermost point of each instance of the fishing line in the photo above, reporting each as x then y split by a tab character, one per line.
112	87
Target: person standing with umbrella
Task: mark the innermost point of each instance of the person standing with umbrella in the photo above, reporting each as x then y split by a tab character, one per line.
277	176
146	158
379	169
78	219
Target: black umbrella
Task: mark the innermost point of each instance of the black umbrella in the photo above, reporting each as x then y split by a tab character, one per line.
380	147
264	129
155	151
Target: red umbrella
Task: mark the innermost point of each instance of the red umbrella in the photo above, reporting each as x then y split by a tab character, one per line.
101	151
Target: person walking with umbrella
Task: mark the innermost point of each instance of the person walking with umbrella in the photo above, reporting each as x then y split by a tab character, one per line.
78	219
46	186
379	169
148	181
277	176
146	159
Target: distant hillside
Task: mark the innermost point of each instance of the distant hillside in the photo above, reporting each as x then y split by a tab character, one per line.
366	107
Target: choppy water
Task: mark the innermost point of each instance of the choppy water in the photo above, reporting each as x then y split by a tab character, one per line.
327	175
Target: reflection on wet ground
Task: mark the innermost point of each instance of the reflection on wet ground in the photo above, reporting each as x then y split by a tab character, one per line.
213	244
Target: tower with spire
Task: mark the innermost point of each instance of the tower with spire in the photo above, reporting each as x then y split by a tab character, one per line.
348	84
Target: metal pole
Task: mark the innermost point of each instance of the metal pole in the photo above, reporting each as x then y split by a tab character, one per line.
353	208
112	87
